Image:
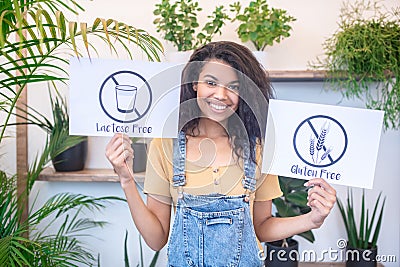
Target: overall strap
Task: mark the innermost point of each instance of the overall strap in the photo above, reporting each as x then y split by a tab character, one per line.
249	179
179	158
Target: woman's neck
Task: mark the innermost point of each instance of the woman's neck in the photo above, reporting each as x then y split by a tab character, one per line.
211	129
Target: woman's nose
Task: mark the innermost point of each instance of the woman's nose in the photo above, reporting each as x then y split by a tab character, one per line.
221	92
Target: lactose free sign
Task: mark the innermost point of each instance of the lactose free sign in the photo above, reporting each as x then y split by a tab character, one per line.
338	144
140	99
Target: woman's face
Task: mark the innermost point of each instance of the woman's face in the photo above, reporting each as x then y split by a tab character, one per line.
217	90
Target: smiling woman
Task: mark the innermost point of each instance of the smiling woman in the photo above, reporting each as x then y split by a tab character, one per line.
211	172
217	94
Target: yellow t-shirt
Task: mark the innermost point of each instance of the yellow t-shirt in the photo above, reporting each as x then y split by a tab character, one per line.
200	180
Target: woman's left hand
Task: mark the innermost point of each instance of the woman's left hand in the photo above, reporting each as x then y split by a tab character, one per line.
321	199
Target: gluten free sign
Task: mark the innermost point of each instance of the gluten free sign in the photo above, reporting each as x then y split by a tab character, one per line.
338	144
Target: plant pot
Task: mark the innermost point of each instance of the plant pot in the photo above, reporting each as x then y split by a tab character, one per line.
261	56
358	257
140	159
72	159
278	256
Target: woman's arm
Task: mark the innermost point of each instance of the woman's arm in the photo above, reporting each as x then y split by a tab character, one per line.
151	220
321	199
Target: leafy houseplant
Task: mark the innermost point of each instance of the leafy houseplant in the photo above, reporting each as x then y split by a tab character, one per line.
261	24
365	235
293	202
362	58
178	23
46	247
68	153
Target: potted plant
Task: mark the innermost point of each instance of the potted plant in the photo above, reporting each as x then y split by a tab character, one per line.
261	25
293	202
362	58
178	23
68	152
362	238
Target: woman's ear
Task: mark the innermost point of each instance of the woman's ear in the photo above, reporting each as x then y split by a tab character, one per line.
194	86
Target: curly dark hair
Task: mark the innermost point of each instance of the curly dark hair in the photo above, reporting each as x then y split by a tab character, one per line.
247	125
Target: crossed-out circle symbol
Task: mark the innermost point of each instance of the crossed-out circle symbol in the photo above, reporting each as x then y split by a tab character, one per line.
107	90
307	131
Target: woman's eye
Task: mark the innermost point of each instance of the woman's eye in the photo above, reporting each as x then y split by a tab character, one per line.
233	87
211	83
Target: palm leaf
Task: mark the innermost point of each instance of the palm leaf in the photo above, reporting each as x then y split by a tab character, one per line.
13	251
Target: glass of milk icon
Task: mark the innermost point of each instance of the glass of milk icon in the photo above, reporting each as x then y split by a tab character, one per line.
126	97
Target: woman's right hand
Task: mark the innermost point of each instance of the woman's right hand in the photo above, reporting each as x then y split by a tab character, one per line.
120	154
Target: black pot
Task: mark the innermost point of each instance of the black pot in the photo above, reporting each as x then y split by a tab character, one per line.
72	159
357	257
278	256
140	159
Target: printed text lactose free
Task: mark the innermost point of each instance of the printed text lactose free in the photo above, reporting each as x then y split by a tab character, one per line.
117	128
315	173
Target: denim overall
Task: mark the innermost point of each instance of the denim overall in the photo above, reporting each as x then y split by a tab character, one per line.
212	230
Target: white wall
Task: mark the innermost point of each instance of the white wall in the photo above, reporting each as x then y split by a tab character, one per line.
316	20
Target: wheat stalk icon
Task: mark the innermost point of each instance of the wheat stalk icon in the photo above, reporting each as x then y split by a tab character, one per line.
326	153
312	147
322	138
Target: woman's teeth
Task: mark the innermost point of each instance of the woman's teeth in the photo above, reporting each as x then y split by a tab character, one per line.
218	107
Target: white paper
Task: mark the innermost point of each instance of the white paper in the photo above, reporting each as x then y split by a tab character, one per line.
138	98
338	144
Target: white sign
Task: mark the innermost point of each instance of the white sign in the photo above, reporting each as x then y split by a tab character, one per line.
140	99
338	144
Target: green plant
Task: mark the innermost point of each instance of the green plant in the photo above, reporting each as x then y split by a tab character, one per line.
178	23
365	236
261	24
45	247
362	57
293	201
141	262
57	129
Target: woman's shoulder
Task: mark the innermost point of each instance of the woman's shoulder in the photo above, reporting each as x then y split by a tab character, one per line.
161	145
159	142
